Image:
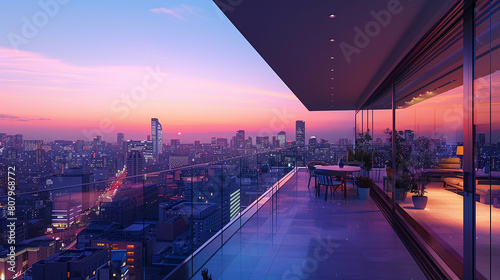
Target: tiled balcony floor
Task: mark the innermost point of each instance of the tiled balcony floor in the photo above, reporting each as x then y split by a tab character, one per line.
303	237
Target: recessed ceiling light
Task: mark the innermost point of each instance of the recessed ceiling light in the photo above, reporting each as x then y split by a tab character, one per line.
332	70
332	40
332	16
332	57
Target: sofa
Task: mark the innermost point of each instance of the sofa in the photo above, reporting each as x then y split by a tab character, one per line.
446	167
485	188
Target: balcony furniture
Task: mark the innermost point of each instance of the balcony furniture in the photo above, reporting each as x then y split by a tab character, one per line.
330	179
311	166
350	176
487	185
447	167
348	169
386	180
496	201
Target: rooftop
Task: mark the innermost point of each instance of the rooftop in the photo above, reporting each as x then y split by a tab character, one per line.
71	255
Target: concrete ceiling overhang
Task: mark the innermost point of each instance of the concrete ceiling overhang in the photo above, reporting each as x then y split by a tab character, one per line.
333	54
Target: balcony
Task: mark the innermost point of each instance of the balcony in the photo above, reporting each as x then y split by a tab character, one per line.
295	235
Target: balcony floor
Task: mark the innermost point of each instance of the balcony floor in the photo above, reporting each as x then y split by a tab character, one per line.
304	237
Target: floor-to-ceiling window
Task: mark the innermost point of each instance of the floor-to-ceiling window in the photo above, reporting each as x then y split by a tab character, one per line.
429	129
487	142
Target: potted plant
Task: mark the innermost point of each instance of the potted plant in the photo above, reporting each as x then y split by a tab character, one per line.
364	184
404	183
419	199
363	153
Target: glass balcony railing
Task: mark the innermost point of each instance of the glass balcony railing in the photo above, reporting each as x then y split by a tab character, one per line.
161	220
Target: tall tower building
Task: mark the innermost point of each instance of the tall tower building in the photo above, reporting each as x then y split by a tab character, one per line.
156	137
282	138
18	141
120	137
240	139
135	164
300	133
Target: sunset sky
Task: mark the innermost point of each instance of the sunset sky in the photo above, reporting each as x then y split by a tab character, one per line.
73	70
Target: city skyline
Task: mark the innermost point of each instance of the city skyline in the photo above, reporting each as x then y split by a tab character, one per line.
95	79
188	137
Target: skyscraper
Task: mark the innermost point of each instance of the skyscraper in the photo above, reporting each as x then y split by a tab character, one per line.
240	139
18	141
135	164
120	137
156	137
300	133
282	138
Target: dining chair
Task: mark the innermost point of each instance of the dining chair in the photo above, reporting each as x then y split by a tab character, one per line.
311	167
387	179
330	179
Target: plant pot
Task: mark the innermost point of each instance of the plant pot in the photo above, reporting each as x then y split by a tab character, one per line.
364	193
400	195
419	201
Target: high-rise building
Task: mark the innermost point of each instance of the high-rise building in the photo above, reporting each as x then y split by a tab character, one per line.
205	218
240	139
135	246
156	137
262	142
222	142
146	147
120	137
175	142
116	268
282	138
275	141
300	133
31	145
18	141
122	211
135	164
2	138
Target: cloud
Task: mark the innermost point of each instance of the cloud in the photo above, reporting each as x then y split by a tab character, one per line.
28	120
179	12
167	12
8	117
19	119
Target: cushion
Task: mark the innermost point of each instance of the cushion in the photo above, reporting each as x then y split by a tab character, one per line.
454	181
495	189
449	165
450	160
